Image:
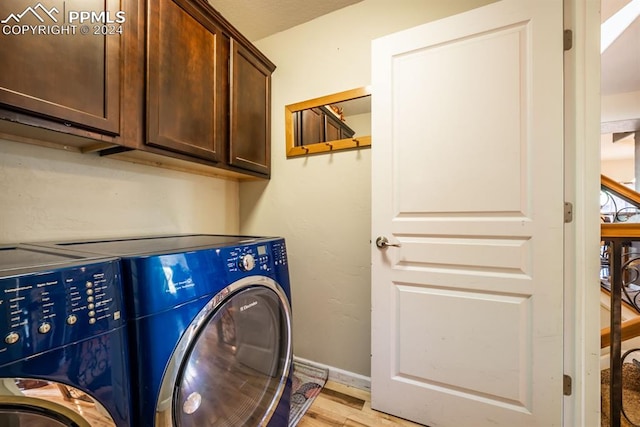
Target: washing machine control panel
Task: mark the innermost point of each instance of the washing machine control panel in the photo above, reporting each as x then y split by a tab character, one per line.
262	258
247	259
49	309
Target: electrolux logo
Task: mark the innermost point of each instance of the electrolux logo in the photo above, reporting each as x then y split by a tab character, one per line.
39	20
248	306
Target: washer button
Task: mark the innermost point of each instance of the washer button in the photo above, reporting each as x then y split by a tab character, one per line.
92	320
12	338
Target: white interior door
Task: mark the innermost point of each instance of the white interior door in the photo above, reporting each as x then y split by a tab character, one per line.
468	180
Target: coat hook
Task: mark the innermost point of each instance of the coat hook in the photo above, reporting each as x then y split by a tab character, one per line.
305	149
330	145
357	142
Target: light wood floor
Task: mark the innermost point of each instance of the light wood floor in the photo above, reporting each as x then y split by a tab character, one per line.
339	405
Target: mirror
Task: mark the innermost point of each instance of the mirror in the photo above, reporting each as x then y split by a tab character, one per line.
340	121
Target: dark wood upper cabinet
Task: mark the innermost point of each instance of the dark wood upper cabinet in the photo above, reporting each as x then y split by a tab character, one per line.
250	133
208	88
69	77
173	84
187	88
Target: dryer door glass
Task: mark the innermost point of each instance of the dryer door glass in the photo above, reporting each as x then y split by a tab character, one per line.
235	369
19	418
38	403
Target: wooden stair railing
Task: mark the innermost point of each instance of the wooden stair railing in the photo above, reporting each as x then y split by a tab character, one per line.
623	230
629	329
620	190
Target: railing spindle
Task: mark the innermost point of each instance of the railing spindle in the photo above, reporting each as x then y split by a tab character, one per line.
615	349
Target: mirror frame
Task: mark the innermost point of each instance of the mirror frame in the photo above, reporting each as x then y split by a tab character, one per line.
294	150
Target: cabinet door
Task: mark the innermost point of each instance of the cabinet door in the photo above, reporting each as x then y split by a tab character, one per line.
250	133
336	128
52	68
309	126
187	79
332	130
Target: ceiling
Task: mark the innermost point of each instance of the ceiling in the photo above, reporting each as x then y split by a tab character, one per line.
621	61
257	19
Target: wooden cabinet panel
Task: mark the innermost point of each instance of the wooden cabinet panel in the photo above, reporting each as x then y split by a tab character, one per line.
335	128
319	124
250	107
309	126
186	82
332	130
57	72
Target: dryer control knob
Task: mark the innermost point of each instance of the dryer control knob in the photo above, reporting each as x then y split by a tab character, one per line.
12	338
247	262
72	319
44	327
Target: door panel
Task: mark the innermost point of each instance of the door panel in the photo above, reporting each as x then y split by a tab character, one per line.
186	82
468	181
501	370
250	106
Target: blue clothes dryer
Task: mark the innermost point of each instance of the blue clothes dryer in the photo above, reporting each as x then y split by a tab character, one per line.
211	328
63	348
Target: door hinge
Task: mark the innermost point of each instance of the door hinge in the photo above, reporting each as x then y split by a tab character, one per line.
566	385
568	39
568	212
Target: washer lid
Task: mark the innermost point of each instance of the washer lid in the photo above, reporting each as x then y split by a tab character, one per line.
155	245
20	259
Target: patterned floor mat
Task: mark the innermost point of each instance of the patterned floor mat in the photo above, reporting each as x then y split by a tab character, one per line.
308	381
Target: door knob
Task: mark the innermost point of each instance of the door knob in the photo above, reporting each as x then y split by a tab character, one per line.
383	242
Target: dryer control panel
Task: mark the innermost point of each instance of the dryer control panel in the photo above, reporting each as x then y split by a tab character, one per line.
45	310
267	258
256	258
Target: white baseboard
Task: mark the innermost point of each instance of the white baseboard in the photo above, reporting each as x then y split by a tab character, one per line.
340	375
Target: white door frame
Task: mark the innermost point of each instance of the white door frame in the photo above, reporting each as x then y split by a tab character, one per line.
582	188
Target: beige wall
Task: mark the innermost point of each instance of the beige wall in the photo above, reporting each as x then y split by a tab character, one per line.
321	204
49	194
618	158
621	170
621	106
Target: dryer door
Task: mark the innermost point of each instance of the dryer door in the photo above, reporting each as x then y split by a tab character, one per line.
21	411
236	364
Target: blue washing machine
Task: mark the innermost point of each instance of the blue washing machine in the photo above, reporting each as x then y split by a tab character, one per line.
211	328
63	348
